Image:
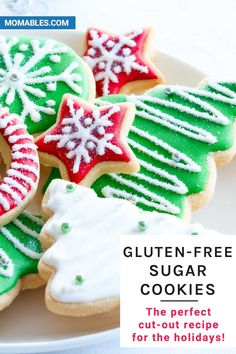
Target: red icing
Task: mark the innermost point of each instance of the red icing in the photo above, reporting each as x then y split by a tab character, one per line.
52	148
6	197
122	77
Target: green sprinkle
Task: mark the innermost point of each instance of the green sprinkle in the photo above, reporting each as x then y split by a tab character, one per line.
70	188
168	91
194	233
79	280
65	227
142	225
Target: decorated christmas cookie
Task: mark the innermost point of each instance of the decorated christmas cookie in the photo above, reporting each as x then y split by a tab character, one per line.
121	63
179	135
34	75
88	141
20	251
19	152
81	264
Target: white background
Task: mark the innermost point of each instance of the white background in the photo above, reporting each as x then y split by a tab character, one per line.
200	32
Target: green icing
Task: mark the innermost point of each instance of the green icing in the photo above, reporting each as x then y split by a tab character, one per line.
40	64
158	185
19	241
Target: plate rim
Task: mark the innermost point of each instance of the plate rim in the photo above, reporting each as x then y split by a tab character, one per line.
60	344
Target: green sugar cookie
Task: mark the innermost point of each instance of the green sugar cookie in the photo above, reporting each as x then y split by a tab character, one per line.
178	135
20	250
34	75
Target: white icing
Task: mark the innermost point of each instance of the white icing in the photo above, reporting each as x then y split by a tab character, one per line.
216	96
23	155
25	228
108	55
50	103
14	138
14	183
21	166
23	47
91	52
27	231
12	129
177	125
157	201
91	248
185	162
110	43
20	175
17	147
13	190
29	75
9	190
55	58
33	218
174	183
80	140
52	86
4	202
6	265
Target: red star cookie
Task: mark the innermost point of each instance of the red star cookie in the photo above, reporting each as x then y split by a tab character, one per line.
87	141
120	63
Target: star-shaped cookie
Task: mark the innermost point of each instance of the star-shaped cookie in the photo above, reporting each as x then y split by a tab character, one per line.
87	141
120	63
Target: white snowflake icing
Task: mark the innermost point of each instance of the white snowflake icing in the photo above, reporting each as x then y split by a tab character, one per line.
112	57
82	135
18	76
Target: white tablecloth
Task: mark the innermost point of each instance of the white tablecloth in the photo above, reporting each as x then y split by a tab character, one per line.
200	32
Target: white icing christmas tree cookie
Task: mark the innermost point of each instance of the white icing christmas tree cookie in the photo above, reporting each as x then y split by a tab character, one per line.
82	233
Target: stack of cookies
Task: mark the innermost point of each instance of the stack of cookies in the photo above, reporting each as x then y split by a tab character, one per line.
124	154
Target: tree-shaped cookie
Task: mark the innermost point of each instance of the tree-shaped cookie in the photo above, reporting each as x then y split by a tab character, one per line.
179	135
20	250
82	235
34	75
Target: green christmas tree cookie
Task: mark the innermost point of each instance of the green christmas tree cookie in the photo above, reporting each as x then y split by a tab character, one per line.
34	75
176	134
20	250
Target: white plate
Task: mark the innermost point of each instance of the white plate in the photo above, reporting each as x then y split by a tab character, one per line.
26	326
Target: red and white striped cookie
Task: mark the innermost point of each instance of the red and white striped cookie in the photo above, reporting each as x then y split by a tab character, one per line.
19	152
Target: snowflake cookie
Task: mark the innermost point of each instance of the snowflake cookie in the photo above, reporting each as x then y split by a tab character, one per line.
88	141
82	237
20	250
179	135
20	182
34	75
121	63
